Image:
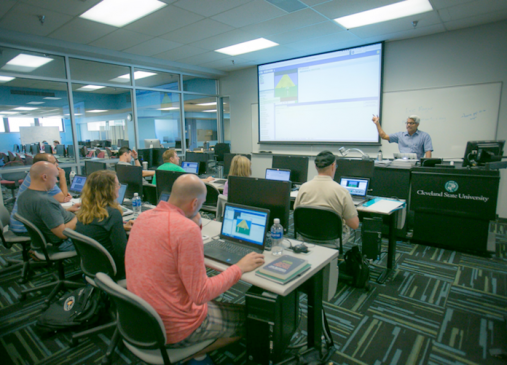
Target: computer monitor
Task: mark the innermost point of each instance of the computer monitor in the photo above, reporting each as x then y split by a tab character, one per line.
152	143
190	167
157	155
278	174
35	149
60	150
228	160
268	194
177	144
107	143
70	151
165	181
145	155
430	162
123	143
353	167
298	166
133	177
92	166
48	149
200	157
477	153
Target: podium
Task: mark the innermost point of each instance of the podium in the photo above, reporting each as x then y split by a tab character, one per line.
453	207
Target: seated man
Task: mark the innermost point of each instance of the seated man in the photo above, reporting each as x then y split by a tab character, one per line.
125	155
166	268
37	206
172	163
58	192
323	191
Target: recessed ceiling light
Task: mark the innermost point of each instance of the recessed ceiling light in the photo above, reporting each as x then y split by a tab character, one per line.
170	108
213	103
52	98
246	47
6	78
121	12
26	63
24	108
137	76
96	111
209	111
8	112
385	13
90	88
36	102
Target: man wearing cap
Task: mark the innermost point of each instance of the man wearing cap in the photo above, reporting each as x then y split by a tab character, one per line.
411	141
323	191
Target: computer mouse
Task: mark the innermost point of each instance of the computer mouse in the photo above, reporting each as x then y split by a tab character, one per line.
301	248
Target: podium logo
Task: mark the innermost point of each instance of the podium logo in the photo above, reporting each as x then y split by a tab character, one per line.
451	186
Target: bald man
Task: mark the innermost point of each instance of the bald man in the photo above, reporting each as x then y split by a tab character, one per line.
165	266
47	214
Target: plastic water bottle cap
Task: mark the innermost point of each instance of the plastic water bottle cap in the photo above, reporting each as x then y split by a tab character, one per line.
135	194
276	221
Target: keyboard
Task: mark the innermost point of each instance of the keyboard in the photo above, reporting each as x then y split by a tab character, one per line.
229	247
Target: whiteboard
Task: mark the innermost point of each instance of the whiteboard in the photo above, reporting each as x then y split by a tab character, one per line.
38	134
451	115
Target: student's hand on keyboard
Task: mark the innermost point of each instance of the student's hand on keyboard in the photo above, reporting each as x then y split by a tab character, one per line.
128	225
251	262
67	198
74	208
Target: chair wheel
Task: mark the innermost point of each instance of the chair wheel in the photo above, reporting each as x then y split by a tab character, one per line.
22	296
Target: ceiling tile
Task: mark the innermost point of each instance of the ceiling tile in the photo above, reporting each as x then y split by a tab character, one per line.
200	30
337	8
180	52
23	18
209	7
5	6
120	39
69	7
330	42
414	33
226	63
203	58
472	9
224	40
442	4
153	46
253	12
82	31
164	21
476	20
314	2
307	32
285	23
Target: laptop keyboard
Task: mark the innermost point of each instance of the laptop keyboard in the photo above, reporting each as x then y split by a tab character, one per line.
229	247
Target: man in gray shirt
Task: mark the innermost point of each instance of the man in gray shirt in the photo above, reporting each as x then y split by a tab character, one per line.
37	206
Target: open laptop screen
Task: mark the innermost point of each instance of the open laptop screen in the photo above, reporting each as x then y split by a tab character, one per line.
191	167
77	184
278	174
244	224
121	193
356	186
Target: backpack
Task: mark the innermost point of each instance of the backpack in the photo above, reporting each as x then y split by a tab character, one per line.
79	307
356	266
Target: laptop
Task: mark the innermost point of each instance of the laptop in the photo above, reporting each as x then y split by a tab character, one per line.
191	167
121	198
243	231
278	174
405	156
77	185
357	187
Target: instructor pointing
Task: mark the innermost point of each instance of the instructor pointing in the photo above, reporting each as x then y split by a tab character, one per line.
411	141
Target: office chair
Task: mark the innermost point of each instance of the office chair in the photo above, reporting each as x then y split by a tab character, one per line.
210	205
220	150
52	256
318	224
12	180
94	259
48	149
28	159
11	156
101	154
141	327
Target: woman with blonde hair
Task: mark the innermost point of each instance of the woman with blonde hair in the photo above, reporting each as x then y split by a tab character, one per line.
100	216
240	166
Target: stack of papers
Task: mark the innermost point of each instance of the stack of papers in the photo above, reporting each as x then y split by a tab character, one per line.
382	205
283	269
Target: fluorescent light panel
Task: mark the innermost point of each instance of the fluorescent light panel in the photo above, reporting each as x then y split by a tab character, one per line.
26	63
8	112
24	108
51	98
121	12
170	108
90	88
6	78
247	47
96	111
137	76
206	104
385	13
36	102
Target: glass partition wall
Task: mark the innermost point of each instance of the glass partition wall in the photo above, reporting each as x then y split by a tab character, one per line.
99	105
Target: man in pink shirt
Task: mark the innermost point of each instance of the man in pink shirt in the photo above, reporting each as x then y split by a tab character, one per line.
165	266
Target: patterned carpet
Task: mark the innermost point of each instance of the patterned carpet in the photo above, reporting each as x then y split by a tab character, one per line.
440	307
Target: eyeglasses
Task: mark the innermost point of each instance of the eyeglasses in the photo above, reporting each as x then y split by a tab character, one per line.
411	123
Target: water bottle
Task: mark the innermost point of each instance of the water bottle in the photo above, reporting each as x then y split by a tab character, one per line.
379	155
136	204
276	238
71	176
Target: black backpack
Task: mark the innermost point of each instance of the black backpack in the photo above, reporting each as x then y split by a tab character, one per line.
356	266
82	306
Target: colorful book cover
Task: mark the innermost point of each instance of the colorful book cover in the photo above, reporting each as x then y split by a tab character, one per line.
283	267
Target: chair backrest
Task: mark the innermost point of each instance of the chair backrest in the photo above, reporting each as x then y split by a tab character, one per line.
101	154
38	239
212	194
137	321
28	160
11	156
221	149
48	149
4	222
317	223
13	176
94	257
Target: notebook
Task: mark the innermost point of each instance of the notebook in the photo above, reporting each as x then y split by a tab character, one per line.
243	231
357	187
77	185
191	167
121	198
278	174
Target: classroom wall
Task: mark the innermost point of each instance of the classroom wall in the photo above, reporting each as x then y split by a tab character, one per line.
469	56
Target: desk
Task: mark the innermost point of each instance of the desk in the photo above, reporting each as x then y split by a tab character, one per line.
312	282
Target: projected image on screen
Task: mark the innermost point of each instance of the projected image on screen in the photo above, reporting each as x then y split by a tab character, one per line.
326	98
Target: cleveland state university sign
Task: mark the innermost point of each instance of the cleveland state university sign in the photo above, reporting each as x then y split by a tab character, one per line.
452	187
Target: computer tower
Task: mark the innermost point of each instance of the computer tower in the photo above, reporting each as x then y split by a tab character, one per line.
271	320
371	235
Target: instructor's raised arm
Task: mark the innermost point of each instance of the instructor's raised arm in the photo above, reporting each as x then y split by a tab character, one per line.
381	132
